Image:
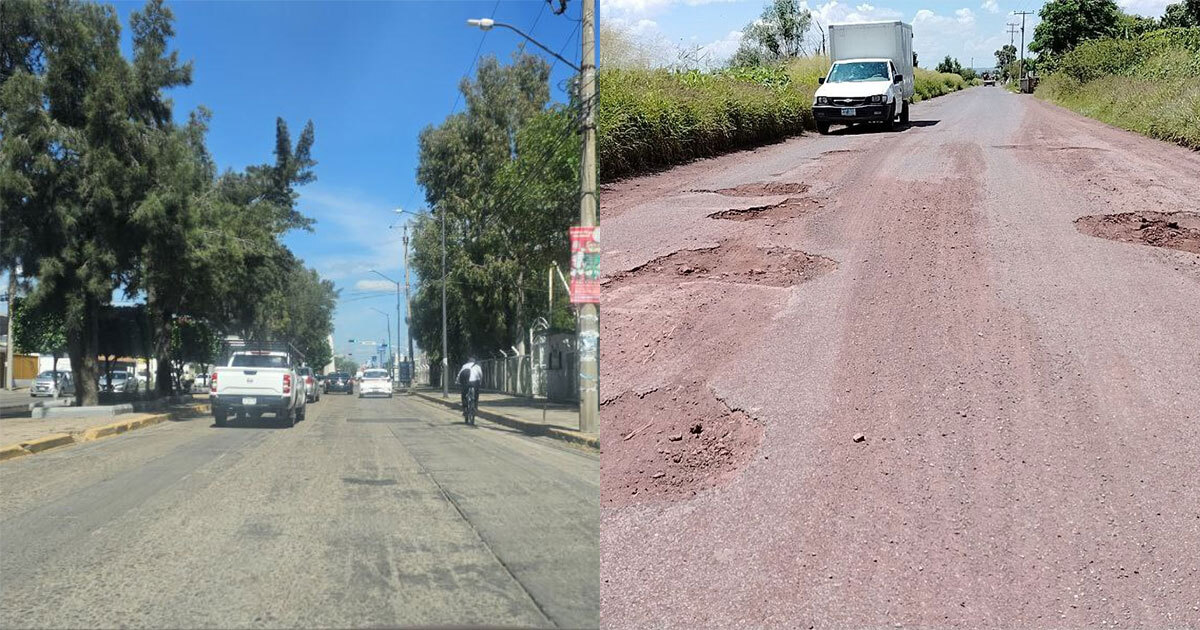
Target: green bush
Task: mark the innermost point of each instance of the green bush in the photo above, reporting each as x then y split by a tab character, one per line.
652	119
1149	84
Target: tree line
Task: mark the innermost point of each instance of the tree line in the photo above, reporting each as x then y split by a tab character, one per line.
1066	23
504	173
102	191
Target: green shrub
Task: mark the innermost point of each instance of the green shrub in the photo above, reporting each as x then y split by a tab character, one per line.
1149	84
652	119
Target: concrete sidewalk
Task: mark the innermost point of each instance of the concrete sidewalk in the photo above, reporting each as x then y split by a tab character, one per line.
22	436
530	415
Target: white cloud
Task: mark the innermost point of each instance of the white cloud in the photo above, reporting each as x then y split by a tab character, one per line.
990	6
1148	8
374	285
965	16
635	8
836	12
718	52
864	8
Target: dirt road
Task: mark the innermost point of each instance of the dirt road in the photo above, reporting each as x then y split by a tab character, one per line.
880	379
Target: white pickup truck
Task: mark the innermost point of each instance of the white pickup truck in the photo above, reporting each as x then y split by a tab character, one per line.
256	381
871	76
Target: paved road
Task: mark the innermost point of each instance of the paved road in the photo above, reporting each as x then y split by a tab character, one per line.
1028	393
370	513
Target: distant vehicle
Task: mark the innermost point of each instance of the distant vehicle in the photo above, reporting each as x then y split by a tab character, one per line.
200	384
375	381
339	382
122	382
871	76
258	378
989	79
47	385
312	393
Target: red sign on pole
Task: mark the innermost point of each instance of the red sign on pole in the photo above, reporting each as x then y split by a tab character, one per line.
585	266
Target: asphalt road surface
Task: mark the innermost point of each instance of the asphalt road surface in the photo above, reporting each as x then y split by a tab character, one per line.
371	512
1028	395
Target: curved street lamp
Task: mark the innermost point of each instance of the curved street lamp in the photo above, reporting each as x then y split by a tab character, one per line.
487	24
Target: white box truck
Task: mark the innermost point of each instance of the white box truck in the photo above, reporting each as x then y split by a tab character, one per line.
870	76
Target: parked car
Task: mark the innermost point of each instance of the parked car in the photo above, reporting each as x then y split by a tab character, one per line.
46	384
312	393
253	381
200	384
121	382
375	382
339	382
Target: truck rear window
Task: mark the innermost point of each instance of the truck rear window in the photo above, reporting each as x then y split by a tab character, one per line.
259	361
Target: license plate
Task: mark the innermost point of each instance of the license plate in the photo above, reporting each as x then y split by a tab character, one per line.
249	401
847	111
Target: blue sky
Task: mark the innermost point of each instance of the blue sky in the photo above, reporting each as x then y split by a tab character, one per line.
959	28
370	75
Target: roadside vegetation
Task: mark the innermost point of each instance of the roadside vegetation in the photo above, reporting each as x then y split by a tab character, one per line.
1130	71
103	191
656	111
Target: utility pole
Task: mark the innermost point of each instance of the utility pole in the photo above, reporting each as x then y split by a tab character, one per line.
1022	55
1012	30
589	313
9	377
412	364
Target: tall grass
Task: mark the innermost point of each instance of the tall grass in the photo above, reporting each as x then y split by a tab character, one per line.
1149	84
649	119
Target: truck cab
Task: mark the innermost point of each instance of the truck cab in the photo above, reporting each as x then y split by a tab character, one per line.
870	78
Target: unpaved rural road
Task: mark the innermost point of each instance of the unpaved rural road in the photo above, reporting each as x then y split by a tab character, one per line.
370	513
1027	395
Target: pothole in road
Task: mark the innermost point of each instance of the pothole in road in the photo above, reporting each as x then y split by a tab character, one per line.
790	208
743	264
760	189
670	444
1172	230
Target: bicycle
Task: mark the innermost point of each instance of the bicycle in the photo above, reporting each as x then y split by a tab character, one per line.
470	404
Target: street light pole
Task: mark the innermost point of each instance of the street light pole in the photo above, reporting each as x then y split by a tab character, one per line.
445	356
412	365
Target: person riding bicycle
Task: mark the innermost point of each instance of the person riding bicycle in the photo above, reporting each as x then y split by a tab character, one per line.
471	376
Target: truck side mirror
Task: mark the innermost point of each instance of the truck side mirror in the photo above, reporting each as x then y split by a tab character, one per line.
899	78
820	80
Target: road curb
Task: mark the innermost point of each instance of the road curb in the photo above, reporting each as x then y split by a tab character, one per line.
531	428
95	433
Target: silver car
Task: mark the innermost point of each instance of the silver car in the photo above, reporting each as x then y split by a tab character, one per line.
121	382
47	385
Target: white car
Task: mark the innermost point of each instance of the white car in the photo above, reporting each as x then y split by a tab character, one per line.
375	382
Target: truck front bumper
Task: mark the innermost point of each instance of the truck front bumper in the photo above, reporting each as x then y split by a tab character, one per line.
862	113
239	404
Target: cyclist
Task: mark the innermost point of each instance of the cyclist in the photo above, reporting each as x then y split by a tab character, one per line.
470	376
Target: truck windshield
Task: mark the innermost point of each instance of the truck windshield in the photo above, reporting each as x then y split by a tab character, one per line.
259	361
854	71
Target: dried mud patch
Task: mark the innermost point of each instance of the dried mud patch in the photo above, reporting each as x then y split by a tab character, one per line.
683	440
729	262
1172	230
790	208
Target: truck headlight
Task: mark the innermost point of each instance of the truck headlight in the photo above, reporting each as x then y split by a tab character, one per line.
878	98
821	100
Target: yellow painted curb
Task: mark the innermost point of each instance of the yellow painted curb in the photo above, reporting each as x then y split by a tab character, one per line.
48	442
11	451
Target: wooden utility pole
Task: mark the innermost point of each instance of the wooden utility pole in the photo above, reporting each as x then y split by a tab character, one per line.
1022	52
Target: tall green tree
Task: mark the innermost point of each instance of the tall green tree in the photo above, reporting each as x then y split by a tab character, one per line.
1065	23
1182	14
1005	57
777	34
950	65
506	174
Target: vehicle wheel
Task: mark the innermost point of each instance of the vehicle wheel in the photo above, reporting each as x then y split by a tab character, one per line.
301	414
823	128
220	418
904	113
890	123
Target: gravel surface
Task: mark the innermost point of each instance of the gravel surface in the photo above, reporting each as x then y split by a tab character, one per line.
370	513
975	416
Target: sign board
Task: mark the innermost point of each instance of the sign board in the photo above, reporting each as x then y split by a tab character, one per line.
585	266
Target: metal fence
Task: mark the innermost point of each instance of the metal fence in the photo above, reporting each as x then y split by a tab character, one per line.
552	371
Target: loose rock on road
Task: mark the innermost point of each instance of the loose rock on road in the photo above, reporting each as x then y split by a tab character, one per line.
372	512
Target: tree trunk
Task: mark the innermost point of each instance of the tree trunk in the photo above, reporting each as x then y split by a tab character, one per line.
9	378
161	323
83	345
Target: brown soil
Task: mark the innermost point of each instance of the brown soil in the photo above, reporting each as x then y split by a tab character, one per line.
790	208
772	266
1173	230
690	441
762	189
